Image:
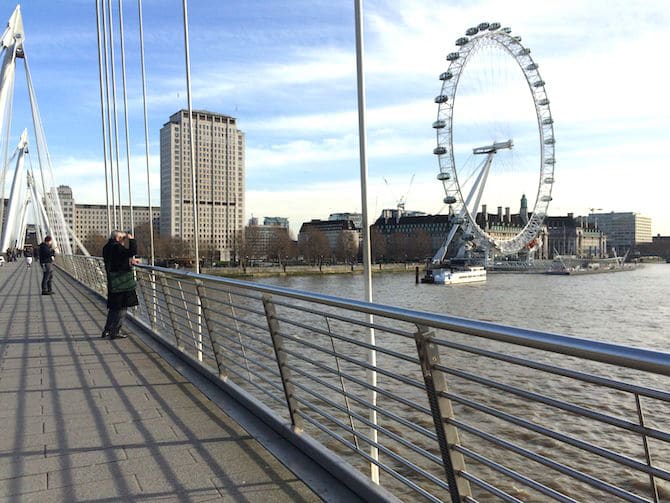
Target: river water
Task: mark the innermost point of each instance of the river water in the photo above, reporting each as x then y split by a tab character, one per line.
629	308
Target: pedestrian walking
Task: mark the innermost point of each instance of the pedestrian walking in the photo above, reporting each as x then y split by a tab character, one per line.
118	255
46	255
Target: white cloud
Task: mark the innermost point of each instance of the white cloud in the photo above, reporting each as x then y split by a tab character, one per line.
86	177
600	60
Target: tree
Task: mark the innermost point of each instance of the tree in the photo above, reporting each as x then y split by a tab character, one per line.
314	246
346	248
168	247
94	243
238	247
143	240
209	252
281	246
377	245
252	242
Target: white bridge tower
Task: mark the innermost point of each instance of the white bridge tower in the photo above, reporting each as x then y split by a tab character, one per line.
29	190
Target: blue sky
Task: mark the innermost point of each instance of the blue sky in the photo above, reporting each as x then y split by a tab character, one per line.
286	71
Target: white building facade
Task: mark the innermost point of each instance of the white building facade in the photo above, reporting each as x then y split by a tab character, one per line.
624	230
90	220
220	168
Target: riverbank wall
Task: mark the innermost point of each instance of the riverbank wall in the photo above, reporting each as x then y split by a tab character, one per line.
307	270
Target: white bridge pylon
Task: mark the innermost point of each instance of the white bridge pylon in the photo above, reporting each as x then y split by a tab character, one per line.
45	203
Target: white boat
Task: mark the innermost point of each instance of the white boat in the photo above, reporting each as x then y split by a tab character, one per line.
468	274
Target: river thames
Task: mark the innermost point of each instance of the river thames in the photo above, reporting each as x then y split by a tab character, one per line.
630	307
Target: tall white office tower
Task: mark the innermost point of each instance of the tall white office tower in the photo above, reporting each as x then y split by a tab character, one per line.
219	159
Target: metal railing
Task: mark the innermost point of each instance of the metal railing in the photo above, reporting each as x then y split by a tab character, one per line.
467	410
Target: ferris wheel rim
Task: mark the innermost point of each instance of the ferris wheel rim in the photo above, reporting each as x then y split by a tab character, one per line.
481	36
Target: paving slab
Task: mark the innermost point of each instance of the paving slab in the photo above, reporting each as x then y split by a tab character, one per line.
86	418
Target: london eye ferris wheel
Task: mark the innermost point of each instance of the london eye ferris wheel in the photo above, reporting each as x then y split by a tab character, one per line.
494	133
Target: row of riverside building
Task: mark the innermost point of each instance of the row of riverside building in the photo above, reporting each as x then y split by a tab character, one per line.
220	160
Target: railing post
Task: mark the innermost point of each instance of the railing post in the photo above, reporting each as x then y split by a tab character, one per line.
149	296
342	385
206	315
170	311
647	452
233	314
447	435
280	354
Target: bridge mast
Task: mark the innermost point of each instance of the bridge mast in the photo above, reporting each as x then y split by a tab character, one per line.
11	49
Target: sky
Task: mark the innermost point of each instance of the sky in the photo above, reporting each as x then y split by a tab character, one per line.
287	71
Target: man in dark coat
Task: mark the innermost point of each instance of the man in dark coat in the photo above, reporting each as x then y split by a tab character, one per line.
46	256
120	281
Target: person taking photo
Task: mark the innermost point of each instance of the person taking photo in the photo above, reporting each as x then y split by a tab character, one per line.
118	255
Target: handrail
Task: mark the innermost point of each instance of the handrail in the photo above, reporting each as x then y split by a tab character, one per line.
606	352
467	409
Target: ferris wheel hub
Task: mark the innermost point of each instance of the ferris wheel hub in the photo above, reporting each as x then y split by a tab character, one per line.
492	149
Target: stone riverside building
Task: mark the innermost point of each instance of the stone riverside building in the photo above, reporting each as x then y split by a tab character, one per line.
88	220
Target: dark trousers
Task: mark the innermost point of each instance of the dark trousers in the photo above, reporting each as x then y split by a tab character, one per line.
114	321
46	277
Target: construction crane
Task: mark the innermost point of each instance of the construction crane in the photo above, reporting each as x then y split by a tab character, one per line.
400	203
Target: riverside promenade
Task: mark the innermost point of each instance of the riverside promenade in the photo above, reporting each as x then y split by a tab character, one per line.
89	419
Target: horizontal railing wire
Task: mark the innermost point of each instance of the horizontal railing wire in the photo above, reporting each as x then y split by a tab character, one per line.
560	371
547	462
430	435
435	459
406	481
574	409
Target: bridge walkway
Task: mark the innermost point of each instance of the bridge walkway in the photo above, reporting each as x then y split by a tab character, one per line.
84	418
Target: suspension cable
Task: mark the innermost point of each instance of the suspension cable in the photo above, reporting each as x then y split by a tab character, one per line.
194	192
125	116
146	132
115	112
108	139
102	119
54	206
